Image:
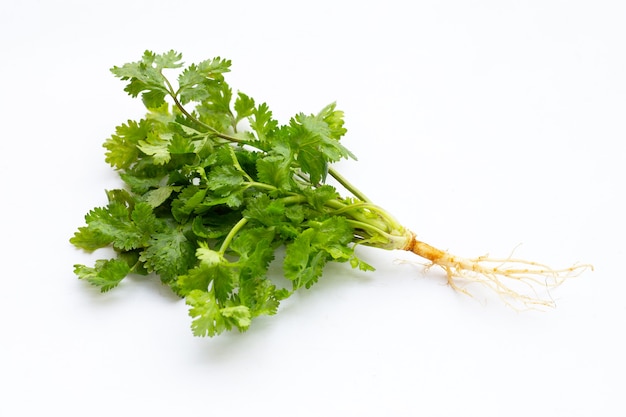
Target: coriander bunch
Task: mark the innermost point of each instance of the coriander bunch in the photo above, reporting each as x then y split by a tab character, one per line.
214	186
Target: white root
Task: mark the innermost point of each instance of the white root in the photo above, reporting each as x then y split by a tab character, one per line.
516	281
520	284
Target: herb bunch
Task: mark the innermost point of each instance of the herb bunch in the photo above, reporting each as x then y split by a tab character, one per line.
214	186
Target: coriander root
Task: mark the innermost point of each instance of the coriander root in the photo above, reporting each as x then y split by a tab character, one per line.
508	277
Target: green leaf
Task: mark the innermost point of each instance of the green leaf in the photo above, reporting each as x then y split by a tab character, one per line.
159	195
169	59
169	253
214	272
360	264
260	295
197	81
146	78
225	179
121	147
180	145
318	197
244	106
140	182
187	201
156	145
202	231
207	319
113	223
233	200
197	278
275	170
315	142
304	263
123	197
90	239
265	210
255	244
208	256
106	274
224	278
238	315
334	121
144	219
255	248
312	249
305	146
262	123
154	97
124	226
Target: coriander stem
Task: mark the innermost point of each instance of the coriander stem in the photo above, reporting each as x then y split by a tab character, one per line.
372	208
394	241
229	238
183	110
357	224
262	185
347	185
293	199
201	123
238	165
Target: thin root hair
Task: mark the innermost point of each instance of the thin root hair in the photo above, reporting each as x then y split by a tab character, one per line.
521	284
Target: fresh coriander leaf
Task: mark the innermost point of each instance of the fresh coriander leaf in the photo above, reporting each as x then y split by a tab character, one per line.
157	196
208	256
262	123
320	196
121	147
188	200
238	315
196	81
106	274
276	170
210	319
113	223
180	145
334	123
157	145
90	239
197	278
169	253
169	59
145	77
145	220
225	179
308	254
207	319
244	106
140	184
216	112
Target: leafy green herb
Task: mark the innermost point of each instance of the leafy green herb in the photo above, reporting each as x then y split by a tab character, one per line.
207	202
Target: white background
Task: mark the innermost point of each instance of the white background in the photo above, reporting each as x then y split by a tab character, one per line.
480	124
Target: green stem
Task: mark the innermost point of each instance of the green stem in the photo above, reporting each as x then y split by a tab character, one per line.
397	240
238	165
229	238
347	185
372	208
293	199
261	185
183	110
368	227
